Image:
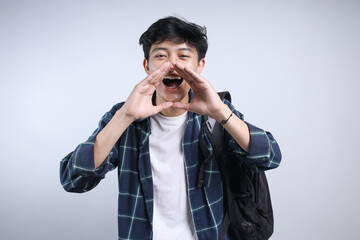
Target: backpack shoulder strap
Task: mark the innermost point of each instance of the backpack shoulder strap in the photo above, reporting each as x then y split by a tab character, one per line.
225	95
215	134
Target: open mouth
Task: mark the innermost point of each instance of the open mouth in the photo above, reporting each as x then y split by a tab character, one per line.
172	82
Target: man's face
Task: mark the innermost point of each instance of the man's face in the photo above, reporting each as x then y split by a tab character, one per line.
173	88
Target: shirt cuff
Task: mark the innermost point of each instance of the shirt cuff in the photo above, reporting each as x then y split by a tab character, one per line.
260	148
84	164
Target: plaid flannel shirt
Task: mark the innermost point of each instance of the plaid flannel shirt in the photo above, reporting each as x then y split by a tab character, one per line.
131	157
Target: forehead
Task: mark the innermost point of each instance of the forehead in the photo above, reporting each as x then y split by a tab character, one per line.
172	46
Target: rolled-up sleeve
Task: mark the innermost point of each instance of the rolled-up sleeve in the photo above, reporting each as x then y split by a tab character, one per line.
264	152
77	169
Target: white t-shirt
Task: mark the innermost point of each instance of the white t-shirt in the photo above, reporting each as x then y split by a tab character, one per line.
172	217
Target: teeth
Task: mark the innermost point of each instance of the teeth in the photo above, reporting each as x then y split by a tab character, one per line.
173	78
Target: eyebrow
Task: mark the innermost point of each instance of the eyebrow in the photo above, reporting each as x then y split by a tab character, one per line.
186	49
165	49
159	48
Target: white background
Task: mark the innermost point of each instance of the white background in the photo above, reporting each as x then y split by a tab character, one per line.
293	68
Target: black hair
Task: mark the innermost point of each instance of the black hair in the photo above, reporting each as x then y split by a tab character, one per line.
175	30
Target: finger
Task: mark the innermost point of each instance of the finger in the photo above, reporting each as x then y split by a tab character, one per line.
189	74
153	80
146	80
150	83
158	80
180	105
144	88
181	71
154	75
160	74
162	107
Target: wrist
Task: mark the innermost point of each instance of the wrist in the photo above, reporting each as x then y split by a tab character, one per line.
123	116
223	114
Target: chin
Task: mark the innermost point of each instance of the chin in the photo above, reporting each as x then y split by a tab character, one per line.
174	97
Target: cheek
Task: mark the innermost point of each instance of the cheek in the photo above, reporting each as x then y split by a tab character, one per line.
151	69
154	66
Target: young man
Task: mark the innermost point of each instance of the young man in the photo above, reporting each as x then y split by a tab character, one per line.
152	138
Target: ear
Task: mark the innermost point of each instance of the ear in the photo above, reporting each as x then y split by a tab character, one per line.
146	66
200	66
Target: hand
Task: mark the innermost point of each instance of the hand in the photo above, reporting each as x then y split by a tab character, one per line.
139	103
206	101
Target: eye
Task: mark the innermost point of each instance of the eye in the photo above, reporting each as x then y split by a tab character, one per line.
160	56
184	56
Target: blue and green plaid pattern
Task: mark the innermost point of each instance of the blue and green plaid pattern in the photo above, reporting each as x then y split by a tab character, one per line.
131	157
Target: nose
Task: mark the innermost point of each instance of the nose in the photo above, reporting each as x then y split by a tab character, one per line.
172	61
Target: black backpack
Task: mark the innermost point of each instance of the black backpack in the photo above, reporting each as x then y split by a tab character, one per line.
247	204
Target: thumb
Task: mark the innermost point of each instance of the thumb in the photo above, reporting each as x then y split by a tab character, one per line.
180	105
163	106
